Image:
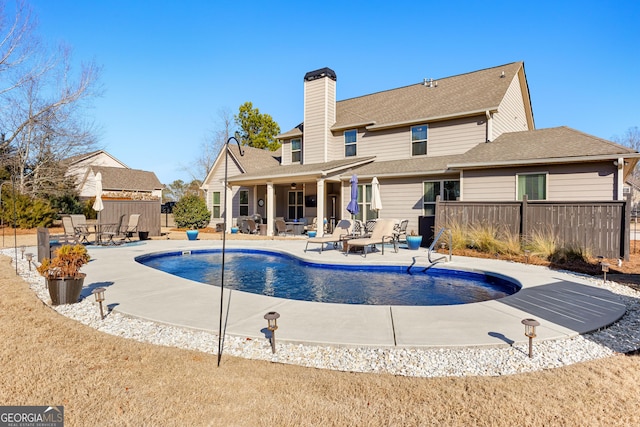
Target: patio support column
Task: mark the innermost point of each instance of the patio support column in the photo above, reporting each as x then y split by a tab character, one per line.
228	209
271	208
320	210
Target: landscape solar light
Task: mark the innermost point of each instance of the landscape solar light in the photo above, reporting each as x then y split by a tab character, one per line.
29	258
272	325
527	253
605	268
99	294
530	332
22	249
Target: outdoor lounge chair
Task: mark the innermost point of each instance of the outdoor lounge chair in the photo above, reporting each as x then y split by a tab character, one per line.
111	231
69	235
80	228
382	233
252	227
400	231
282	228
340	233
131	227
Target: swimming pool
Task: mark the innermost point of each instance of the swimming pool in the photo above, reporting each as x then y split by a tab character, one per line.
284	276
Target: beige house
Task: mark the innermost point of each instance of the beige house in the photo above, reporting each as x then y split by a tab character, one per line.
118	180
467	137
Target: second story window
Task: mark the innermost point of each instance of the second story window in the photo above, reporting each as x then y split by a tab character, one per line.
296	150
419	140
350	143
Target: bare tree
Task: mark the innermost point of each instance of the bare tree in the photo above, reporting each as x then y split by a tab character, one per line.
41	107
211	146
631	139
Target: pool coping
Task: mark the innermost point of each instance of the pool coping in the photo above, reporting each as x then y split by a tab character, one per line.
566	305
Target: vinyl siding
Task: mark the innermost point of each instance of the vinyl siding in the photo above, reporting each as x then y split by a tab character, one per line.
319	116
444	138
511	115
216	183
286	152
579	182
401	198
455	136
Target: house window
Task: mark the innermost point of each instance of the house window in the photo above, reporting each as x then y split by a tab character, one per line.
534	185
244	202
350	143
364	203
296	150
447	190
296	205
419	140
215	204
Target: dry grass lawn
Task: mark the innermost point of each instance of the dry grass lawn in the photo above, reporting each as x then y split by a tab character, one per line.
100	379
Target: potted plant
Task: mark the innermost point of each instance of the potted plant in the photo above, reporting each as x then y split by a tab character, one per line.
414	241
191	213
62	273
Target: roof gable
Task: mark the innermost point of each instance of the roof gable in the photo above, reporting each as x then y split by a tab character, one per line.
119	179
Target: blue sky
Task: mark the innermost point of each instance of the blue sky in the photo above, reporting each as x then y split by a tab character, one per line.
169	67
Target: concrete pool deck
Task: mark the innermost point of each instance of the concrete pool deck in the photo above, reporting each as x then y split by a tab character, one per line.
565	305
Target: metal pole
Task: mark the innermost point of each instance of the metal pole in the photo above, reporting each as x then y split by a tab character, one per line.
530	347
15	221
224	238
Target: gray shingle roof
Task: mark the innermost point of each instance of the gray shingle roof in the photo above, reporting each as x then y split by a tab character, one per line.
541	144
122	179
294	170
472	92
255	159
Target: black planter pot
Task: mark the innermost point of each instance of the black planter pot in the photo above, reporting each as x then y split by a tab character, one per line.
65	291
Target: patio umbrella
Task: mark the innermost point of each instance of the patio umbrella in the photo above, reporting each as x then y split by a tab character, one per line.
376	201
352	207
97	204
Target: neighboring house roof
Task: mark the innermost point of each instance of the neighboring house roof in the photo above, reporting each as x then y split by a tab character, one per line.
120	179
560	144
633	181
86	156
457	96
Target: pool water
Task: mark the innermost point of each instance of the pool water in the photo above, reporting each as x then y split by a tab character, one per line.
280	275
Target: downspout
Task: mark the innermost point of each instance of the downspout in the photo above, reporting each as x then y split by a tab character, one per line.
620	178
489	126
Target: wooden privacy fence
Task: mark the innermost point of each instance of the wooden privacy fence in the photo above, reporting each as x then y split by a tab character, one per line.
602	228
149	211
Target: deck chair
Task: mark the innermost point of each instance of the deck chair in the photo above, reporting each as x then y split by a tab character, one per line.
340	233
382	233
400	232
131	227
80	227
252	227
69	235
282	228
111	232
